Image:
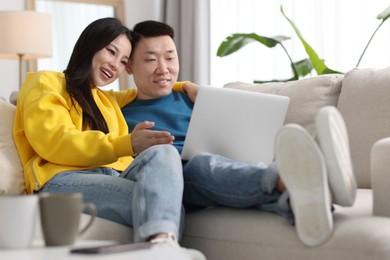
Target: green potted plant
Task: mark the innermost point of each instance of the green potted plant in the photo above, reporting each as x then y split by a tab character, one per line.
300	68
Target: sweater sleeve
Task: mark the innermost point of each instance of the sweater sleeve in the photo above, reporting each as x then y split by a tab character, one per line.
127	96
179	86
54	129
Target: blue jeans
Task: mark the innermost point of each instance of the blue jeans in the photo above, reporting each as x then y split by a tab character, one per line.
211	180
146	196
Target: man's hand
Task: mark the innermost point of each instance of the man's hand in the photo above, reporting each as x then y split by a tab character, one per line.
143	138
191	89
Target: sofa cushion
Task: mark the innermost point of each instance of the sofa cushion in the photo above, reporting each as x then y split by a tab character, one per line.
100	229
245	234
364	104
307	96
11	170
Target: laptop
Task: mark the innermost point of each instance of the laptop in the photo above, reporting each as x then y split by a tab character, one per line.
237	124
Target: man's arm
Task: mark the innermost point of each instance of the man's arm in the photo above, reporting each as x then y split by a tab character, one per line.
187	87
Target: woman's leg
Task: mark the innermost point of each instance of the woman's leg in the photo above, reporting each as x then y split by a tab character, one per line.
111	195
157	195
147	196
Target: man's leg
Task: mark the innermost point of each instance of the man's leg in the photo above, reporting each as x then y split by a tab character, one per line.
333	139
211	180
302	168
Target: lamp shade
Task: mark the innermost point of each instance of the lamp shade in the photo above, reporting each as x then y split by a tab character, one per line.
25	33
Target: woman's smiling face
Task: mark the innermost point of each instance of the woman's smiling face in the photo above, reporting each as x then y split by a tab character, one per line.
110	62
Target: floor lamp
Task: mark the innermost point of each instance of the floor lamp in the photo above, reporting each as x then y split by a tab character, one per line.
25	35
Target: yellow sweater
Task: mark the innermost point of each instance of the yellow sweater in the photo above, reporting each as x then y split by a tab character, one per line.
48	130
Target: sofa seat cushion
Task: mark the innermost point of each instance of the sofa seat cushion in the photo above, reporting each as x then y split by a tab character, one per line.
225	233
103	229
307	96
11	170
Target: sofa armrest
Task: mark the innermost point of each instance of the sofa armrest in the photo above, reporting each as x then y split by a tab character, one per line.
380	177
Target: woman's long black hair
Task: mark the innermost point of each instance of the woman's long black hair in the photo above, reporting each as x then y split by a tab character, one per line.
95	37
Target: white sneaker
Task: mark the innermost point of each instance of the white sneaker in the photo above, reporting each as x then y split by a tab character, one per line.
333	140
171	241
303	171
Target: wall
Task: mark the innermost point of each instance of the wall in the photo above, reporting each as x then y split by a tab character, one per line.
9	69
135	11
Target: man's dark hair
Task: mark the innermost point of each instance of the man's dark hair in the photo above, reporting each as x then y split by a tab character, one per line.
150	28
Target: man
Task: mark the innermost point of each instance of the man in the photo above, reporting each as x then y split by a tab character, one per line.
210	179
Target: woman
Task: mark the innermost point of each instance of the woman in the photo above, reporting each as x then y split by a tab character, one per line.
71	137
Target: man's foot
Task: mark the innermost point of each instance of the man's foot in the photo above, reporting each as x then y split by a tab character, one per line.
170	241
333	140
302	168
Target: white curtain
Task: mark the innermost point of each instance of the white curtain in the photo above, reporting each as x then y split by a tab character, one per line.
337	30
191	20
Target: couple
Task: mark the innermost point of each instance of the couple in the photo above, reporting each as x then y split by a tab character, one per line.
72	137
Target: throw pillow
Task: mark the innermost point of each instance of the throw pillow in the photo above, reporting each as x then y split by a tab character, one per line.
307	96
11	170
364	105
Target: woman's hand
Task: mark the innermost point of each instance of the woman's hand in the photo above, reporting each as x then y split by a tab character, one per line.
191	89
142	137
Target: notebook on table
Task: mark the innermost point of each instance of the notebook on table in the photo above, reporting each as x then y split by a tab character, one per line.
237	124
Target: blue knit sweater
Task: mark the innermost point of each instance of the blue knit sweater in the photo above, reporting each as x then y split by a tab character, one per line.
171	113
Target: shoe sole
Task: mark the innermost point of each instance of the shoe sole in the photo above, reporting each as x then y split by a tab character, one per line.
333	140
302	168
170	242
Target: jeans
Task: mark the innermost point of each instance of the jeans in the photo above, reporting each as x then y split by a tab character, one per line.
211	180
146	196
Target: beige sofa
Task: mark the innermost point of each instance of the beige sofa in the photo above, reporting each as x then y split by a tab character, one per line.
361	232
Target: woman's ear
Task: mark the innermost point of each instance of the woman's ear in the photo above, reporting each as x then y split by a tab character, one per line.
128	68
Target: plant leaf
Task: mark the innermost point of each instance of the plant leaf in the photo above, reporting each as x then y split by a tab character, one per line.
238	40
257	81
316	62
384	15
303	67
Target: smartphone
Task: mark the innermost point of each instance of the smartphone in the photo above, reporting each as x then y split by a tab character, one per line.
109	249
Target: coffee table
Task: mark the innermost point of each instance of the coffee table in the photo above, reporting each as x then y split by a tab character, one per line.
39	252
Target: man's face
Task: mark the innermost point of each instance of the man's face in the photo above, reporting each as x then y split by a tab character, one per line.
155	66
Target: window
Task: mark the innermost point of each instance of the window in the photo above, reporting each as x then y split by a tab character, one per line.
69	19
337	30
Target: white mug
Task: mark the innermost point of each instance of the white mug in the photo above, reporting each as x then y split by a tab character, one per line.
17	220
